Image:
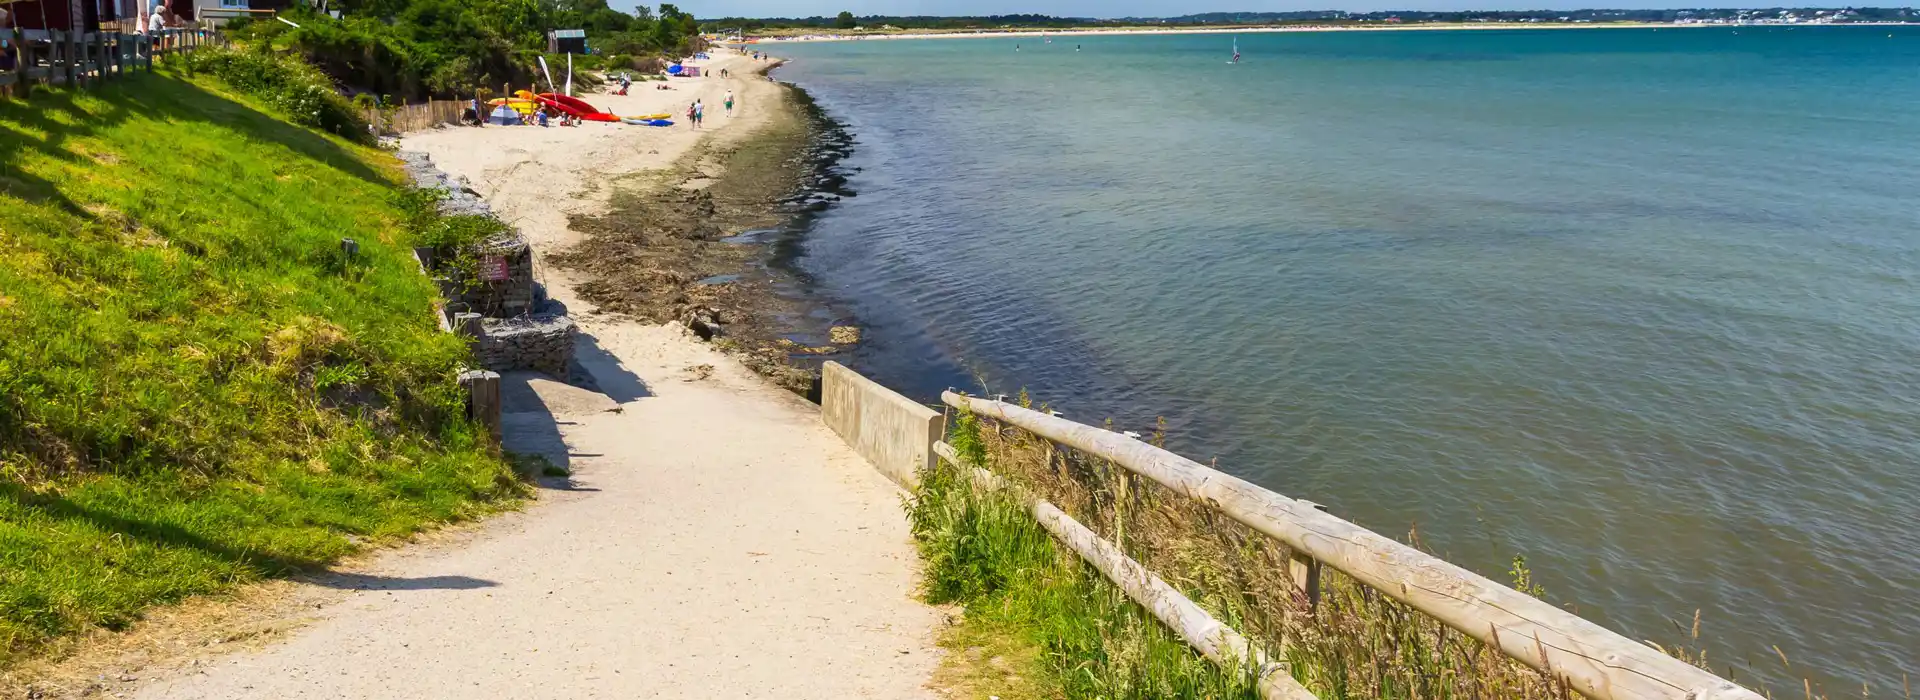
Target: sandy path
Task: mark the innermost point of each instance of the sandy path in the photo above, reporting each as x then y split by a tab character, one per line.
714	541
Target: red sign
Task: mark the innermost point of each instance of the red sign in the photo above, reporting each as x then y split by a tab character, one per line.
493	268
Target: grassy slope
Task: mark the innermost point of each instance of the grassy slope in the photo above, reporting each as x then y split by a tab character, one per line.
196	388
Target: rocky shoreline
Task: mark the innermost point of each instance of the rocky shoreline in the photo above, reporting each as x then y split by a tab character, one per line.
709	243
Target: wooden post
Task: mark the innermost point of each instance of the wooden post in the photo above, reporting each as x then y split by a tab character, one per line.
100	55
483	400
1305	572
65	68
76	58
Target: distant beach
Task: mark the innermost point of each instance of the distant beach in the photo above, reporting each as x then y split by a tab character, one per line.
1149	31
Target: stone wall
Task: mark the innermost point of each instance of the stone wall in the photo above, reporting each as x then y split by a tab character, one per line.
518	294
517	328
542	342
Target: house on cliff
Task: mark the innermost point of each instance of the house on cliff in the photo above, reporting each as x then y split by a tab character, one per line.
125	15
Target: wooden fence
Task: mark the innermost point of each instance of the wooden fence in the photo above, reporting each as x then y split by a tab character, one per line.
1593	660
75	58
426	115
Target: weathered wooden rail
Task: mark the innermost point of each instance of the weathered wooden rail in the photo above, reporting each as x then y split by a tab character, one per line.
1595	661
1213	639
78	59
893	433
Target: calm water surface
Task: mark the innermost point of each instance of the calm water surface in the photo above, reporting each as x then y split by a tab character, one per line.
1638	304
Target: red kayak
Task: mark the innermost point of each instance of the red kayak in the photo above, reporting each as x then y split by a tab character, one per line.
574	106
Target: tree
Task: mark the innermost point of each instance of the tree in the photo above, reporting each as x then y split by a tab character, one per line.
846	21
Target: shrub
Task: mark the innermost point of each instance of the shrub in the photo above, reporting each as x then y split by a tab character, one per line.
286	83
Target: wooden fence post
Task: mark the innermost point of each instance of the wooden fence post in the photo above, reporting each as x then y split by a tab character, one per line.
99	55
77	58
483	400
1305	572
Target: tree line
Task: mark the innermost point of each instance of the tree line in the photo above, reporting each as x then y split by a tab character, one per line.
413	49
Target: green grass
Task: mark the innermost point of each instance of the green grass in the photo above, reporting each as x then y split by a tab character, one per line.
197	388
1038	622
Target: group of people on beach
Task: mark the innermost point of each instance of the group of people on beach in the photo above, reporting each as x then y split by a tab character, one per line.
697	112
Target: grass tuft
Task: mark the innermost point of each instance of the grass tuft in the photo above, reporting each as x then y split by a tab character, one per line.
1039	622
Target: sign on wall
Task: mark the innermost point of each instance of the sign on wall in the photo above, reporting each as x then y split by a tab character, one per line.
493	268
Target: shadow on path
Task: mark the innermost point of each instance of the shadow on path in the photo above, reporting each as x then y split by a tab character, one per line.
370	582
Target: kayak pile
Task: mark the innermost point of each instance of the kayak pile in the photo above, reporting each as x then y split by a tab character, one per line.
526	102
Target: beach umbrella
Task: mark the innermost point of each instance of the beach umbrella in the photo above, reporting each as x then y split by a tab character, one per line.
504	116
674	69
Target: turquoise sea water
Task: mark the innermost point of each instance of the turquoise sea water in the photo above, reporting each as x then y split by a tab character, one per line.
1640	305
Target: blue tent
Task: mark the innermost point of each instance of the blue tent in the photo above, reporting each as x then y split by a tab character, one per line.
504	116
674	69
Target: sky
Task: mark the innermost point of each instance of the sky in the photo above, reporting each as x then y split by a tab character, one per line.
1125	8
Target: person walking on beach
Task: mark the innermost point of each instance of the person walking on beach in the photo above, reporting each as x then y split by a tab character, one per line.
693	116
729	103
699	112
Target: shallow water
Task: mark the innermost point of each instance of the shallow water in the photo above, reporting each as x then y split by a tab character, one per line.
1637	304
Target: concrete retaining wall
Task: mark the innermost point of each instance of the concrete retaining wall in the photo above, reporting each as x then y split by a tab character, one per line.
890	430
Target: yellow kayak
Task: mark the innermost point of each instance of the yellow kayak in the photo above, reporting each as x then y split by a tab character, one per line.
651	117
521	106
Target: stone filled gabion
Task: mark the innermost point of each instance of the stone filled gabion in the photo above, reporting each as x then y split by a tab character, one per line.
460	198
516	332
542	342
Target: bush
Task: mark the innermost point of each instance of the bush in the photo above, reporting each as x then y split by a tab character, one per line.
288	84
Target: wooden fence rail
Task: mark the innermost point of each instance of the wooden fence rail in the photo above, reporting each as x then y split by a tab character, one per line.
1595	661
1214	639
58	57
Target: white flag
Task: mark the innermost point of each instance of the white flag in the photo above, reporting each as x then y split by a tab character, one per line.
548	73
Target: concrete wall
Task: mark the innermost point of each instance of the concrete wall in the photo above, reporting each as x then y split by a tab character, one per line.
890	430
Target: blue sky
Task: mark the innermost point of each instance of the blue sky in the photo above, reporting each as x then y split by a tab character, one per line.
1113	8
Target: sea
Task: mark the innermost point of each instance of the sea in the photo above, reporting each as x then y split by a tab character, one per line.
1638	305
